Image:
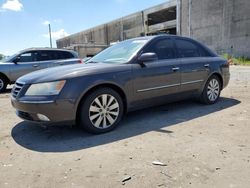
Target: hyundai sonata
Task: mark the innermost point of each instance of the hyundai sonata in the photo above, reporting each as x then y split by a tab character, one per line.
130	75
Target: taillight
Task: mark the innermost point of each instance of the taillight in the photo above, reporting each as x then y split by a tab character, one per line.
230	62
80	61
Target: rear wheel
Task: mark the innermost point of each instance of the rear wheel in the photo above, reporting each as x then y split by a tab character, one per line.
101	111
212	90
3	84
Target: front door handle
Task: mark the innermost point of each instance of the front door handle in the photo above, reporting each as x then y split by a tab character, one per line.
175	69
206	65
35	66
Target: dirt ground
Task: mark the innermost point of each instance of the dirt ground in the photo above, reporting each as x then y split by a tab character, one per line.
199	146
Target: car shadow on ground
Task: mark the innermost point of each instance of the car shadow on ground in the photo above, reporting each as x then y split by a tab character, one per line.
7	91
66	139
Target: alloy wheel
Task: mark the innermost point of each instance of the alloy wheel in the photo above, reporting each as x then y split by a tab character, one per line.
1	84
213	90
104	111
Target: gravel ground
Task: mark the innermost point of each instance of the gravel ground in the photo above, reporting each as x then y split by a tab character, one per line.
194	146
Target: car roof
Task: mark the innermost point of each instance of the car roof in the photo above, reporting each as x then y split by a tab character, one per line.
45	49
159	36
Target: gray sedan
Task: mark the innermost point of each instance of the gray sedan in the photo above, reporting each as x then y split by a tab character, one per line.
31	60
130	75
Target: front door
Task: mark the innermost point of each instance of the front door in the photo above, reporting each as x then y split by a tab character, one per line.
157	78
25	63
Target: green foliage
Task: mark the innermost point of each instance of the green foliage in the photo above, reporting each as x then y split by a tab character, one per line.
1	56
238	60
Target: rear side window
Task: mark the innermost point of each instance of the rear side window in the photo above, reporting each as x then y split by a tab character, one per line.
163	48
187	48
54	55
66	55
45	56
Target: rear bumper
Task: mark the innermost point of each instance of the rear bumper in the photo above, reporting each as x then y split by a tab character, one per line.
226	79
54	112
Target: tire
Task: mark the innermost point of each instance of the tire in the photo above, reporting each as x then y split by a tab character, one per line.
211	91
3	84
96	115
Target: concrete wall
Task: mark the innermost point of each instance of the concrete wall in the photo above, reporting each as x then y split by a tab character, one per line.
133	26
125	28
85	42
224	25
85	37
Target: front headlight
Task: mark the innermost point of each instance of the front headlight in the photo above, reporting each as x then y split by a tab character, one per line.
50	88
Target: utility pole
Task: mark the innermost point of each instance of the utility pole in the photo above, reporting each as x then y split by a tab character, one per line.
50	39
189	17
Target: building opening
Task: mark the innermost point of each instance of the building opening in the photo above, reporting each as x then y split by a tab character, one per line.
163	21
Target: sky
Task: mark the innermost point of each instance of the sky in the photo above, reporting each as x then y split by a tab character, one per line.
24	23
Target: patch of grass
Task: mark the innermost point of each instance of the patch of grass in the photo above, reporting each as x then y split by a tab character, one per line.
238	60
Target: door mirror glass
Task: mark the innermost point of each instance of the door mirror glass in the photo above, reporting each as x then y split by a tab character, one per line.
147	57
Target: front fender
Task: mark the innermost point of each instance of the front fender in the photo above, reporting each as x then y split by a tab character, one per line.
77	88
98	84
5	71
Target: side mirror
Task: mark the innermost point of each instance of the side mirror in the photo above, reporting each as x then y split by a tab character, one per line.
147	57
17	59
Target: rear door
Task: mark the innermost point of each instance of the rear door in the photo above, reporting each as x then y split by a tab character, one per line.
48	58
62	58
194	66
67	56
158	78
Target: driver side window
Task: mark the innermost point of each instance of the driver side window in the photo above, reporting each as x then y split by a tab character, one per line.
28	57
164	49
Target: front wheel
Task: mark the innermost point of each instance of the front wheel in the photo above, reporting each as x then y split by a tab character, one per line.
101	111
3	84
212	90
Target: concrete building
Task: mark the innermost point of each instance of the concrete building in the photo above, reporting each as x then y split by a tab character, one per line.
223	25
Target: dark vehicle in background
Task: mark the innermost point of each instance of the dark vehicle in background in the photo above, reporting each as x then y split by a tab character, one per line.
33	59
130	75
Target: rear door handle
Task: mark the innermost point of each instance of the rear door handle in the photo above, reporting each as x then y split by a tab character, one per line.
206	65
35	66
176	69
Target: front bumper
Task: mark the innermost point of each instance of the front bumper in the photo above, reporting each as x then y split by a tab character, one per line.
53	111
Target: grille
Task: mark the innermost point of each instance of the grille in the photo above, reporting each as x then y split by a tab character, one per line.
25	115
16	89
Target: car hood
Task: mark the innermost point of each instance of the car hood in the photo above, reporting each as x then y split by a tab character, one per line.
5	63
67	72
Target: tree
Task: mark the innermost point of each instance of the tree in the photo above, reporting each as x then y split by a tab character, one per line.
1	56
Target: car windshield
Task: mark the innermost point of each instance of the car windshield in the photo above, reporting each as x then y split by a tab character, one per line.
119	53
9	58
